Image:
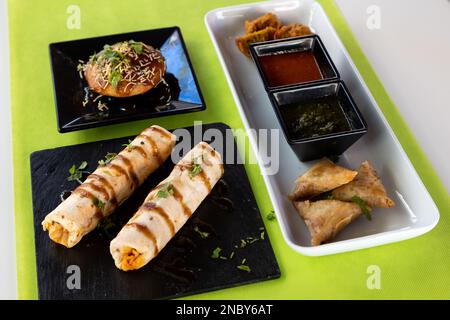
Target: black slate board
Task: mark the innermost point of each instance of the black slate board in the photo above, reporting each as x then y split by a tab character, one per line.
184	266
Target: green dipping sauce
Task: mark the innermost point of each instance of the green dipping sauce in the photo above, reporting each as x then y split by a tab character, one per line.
315	118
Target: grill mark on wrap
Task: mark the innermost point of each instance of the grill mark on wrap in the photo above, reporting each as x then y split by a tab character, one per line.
87	194
202	175
162	132
98	188
150	206
205	180
153	145
179	197
141	151
215	154
147	233
104	181
130	169
118	169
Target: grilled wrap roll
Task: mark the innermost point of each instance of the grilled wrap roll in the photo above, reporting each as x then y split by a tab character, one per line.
167	208
108	186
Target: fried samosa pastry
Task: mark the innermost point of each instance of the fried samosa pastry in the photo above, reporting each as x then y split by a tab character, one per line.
367	186
292	30
268	27
322	177
326	218
262	22
262	35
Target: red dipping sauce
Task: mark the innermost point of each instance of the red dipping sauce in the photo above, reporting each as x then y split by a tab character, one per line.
290	68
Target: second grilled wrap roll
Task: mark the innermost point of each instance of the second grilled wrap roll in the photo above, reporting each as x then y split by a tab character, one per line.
108	186
167	208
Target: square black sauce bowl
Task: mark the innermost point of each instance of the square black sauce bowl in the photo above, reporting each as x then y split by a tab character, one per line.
292	62
318	120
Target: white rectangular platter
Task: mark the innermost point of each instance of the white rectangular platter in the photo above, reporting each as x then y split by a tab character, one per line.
415	212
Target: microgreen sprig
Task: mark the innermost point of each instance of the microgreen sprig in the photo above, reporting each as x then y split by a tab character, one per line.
165	191
108	158
76	173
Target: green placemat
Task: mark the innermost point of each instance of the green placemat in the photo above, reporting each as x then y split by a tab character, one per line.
416	268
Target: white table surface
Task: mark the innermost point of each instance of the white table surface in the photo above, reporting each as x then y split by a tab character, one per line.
409	52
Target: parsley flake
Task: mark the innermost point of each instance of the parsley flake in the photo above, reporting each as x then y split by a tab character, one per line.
364	208
108	158
98	203
244	267
165	191
202	234
114	78
216	253
137	47
196	166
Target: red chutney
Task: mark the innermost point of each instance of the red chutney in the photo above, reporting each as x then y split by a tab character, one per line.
289	68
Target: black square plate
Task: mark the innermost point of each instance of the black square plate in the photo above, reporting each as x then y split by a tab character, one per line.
180	93
185	266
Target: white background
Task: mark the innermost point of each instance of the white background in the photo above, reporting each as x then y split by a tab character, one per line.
410	53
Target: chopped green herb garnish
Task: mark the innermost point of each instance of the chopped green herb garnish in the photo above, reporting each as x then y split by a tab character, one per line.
128	145
243	243
202	234
83	165
216	253
106	224
231	255
196	166
271	215
109	156
111	54
244	268
223	258
76	173
364	208
136	46
165	191
262	235
114	78
196	169
243	261
98	203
